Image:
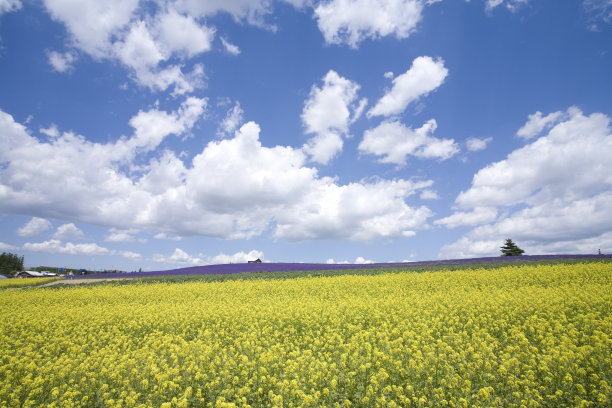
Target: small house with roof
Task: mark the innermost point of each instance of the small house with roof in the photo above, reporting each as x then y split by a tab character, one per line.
30	274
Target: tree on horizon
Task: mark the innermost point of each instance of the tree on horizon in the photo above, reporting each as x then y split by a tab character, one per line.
10	263
511	249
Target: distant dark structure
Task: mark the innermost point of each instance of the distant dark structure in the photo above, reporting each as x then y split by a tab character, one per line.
255	261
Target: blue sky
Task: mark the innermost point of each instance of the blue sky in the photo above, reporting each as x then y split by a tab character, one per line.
160	134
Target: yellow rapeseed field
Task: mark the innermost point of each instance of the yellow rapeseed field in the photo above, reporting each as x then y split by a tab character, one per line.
21	283
534	336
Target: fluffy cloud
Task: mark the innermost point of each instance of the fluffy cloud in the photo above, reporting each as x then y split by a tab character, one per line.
478	216
181	34
130	255
92	24
163	235
152	126
358	261
233	119
52	131
475	144
61	62
554	193
571	161
55	246
238	257
352	21
537	123
229	47
38	176
327	113
180	257
356	211
147	45
251	11
139	50
118	235
511	5
151	47
579	227
429	195
424	76
34	227
6	6
68	231
235	188
7	247
394	142
154	43
324	146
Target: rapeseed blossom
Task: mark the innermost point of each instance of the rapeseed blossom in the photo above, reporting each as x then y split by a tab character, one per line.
530	336
20	283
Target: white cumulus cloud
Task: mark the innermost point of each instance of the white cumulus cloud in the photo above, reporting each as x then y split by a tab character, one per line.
424	76
68	231
7	247
429	195
234	188
151	47
233	119
238	257
511	5
7	6
55	246
352	21
164	236
568	162
182	34
134	256
52	131
250	11
553	194
61	62
92	24
356	211
538	123
394	142
229	47
34	227
118	235
328	113
475	144
178	257
478	216
358	261
40	175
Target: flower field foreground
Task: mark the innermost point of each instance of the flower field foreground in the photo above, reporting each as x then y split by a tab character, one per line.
514	336
22	283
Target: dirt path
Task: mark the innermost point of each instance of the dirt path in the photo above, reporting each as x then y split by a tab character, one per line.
79	281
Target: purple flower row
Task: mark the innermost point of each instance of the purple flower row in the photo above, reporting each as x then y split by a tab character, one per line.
287	267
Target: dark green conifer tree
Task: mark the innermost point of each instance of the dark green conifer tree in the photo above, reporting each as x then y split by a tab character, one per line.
511	249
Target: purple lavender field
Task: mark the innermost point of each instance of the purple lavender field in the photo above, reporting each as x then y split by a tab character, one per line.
287	267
